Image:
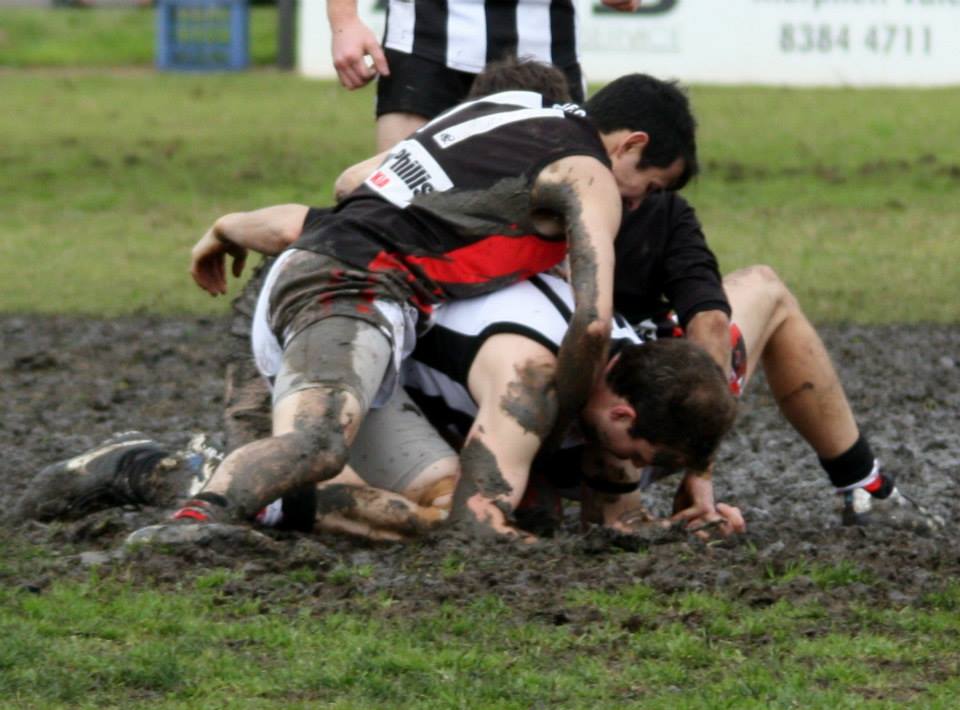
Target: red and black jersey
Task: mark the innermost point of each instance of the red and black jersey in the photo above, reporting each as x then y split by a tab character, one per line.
448	212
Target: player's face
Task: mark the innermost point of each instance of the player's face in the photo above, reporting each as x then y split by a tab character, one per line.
612	432
635	183
641	452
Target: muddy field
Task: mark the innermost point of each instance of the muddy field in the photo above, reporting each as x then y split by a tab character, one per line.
68	383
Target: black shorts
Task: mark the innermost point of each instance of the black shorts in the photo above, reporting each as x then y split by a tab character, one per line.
428	88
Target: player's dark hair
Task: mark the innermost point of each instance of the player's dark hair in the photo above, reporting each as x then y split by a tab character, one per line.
680	394
525	74
639	102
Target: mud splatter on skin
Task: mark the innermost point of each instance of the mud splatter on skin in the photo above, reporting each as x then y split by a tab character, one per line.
484	211
531	400
581	352
379	509
270	468
480	465
480	475
336	499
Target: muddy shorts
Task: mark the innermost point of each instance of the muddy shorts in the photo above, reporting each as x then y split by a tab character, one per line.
395	444
319	322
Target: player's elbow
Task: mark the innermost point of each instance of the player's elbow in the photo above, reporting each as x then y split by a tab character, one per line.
342	186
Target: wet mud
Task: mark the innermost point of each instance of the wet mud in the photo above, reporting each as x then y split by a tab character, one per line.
66	384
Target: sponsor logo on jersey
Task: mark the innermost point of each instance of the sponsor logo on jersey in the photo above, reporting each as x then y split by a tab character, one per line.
408	171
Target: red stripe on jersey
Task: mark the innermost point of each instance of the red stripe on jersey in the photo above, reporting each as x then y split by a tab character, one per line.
492	258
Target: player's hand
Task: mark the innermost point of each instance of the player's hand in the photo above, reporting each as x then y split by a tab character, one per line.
353	42
207	262
622	5
694	507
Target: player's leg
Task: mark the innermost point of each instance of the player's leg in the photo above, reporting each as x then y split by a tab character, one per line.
400	480
801	376
395	127
127	469
330	373
808	391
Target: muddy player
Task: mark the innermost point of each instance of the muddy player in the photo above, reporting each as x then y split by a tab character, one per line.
246	396
482	369
489	193
663	263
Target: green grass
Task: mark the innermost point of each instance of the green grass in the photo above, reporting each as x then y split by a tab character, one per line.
106	643
103	37
109	178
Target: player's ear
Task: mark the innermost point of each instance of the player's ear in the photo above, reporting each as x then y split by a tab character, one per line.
610	364
623	414
635	142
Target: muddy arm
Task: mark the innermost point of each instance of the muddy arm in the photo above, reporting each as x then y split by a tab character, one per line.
374	513
511	379
268	230
585	194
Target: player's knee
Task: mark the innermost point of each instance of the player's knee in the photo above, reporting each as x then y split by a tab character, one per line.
764	282
438	492
323	451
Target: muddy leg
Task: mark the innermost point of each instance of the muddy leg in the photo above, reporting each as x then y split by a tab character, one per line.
373	512
330	373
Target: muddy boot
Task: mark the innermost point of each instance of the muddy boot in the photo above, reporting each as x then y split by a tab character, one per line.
889	508
180	534
128	468
205	518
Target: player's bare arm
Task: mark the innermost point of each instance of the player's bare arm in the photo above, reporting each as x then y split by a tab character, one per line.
694	504
602	504
711	331
512	382
269	230
584	193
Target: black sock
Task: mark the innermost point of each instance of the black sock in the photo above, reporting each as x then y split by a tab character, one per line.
850	467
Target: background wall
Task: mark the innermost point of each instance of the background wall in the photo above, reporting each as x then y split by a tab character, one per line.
782	42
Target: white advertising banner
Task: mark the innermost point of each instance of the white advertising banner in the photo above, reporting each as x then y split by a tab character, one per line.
781	42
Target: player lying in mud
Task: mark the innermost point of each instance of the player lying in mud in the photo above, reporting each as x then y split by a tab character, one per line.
499	349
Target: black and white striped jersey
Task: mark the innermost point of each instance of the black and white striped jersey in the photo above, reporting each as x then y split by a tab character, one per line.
466	34
436	374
